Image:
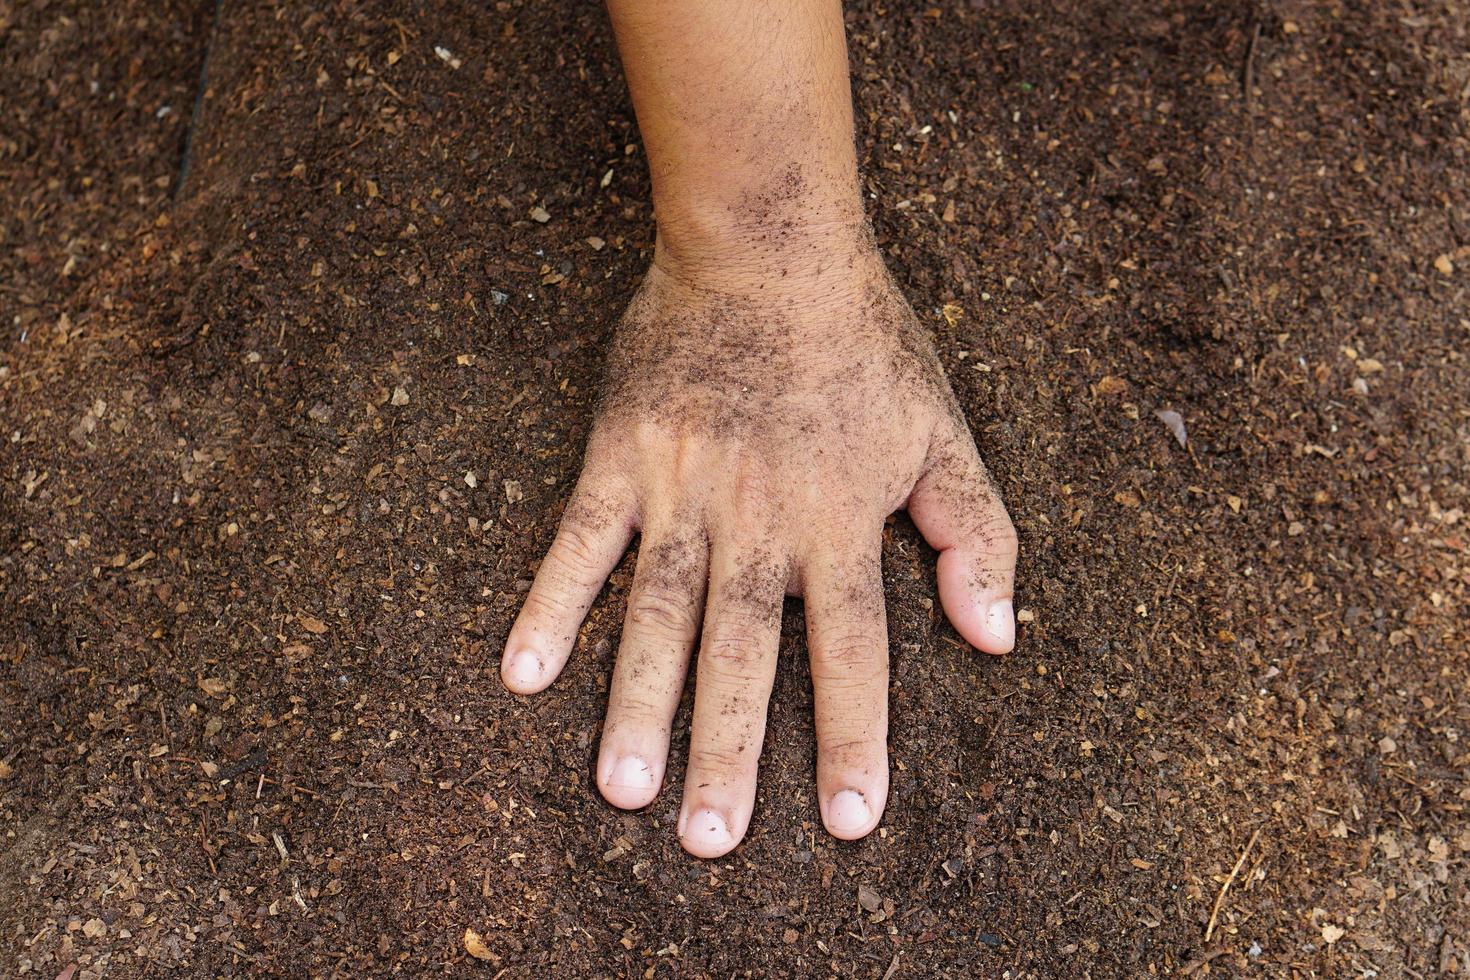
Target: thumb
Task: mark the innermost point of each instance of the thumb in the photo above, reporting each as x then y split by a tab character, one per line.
957	510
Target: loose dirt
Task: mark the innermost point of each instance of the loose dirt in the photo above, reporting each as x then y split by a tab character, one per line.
285	430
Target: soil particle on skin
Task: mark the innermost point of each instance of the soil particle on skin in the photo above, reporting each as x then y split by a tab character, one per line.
250	609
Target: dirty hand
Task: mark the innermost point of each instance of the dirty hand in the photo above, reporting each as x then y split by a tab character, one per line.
756	429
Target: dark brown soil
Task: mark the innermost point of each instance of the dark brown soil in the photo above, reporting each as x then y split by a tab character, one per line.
250	609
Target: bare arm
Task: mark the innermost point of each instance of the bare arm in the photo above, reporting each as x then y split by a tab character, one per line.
746	115
770	398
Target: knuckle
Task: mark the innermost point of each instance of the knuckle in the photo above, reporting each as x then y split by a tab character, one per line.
750	491
826	521
734	653
849	651
543	604
575	547
845	746
649	433
662	610
625	708
630	715
997	536
846	683
731	758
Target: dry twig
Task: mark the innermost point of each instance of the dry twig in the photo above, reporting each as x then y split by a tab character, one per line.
1220	899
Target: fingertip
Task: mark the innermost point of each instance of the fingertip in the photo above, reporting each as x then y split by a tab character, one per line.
985	618
848	815
629	782
524	672
988	627
705	833
998	635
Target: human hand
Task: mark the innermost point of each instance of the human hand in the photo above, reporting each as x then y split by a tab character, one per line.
756	428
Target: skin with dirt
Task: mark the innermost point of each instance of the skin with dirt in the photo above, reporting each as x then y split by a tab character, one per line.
756	439
282	445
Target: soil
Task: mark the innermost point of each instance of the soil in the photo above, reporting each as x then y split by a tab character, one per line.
250	605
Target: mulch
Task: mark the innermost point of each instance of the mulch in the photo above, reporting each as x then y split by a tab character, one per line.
251	605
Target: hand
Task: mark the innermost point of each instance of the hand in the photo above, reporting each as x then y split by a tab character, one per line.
755	431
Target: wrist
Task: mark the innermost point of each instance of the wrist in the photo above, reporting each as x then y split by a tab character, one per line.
802	242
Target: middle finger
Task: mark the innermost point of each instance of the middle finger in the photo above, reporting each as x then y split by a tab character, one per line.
735	673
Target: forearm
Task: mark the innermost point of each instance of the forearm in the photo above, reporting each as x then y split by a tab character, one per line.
746	115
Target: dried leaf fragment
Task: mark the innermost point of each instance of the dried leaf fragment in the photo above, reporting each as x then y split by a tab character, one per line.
476	947
311	624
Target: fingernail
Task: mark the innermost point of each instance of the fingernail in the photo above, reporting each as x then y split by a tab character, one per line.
1000	622
631	772
706	828
848	812
523	669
